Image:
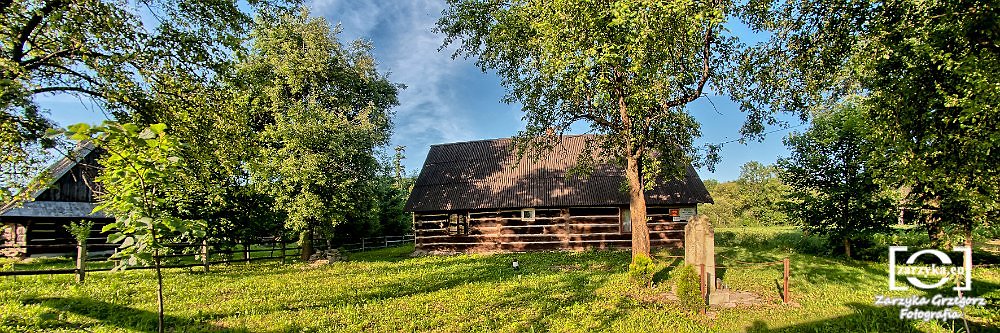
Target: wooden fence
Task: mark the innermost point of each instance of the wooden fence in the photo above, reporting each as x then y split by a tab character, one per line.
189	255
366	243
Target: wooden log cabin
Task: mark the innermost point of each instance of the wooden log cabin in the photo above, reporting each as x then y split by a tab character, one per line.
37	227
473	197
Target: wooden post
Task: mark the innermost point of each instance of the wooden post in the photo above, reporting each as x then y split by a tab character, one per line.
246	251
81	262
282	251
785	287
386	240
305	243
362	243
703	289
204	254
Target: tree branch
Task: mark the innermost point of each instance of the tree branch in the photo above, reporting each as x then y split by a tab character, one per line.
706	72
17	52
93	93
68	71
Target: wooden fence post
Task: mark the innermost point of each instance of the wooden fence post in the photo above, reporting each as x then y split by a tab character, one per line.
785	287
81	262
703	289
246	251
282	251
386	238
204	254
362	243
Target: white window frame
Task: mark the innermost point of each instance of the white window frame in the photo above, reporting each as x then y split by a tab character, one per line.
533	214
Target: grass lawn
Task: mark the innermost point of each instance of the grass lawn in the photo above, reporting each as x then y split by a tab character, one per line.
387	291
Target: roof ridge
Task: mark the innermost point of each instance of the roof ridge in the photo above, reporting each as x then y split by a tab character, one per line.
500	139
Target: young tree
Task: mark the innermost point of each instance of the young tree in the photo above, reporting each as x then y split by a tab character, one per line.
834	187
322	109
626	68
139	181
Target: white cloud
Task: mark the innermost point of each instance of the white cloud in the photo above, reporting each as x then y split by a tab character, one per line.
429	110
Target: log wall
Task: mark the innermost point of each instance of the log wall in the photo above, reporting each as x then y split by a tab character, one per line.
49	236
573	228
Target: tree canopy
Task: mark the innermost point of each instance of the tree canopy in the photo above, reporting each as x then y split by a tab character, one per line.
926	73
118	53
835	187
626	68
322	110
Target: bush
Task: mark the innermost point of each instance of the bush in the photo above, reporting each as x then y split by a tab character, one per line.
80	230
641	270
687	287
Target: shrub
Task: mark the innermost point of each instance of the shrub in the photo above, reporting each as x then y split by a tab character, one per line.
80	231
641	270
687	287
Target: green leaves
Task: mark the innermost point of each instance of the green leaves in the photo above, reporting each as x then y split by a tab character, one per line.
327	111
140	168
834	180
925	71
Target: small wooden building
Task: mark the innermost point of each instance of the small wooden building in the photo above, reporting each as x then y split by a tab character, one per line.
38	226
476	197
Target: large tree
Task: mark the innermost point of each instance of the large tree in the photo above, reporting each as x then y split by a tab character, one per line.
835	190
322	110
626	68
926	70
114	52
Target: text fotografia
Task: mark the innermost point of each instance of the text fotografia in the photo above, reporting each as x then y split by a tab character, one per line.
945	304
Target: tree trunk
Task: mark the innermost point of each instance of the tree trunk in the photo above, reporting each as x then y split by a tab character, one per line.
847	247
305	240
637	208
968	234
159	289
932	221
81	262
933	226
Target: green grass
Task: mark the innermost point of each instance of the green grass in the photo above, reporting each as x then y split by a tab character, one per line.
387	291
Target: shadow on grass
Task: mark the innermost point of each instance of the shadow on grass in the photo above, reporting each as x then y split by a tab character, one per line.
866	318
116	315
391	254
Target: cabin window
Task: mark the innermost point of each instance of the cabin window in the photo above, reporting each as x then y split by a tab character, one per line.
458	224
625	220
528	214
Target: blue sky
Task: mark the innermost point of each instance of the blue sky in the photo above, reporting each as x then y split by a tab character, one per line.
450	100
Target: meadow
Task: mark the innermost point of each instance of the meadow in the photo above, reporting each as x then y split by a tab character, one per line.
389	291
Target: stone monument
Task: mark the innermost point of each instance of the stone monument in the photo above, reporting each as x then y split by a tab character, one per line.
699	248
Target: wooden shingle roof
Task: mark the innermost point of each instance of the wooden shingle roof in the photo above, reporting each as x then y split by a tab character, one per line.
42	206
486	175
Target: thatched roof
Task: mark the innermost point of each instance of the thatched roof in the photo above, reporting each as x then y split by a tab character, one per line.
485	175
